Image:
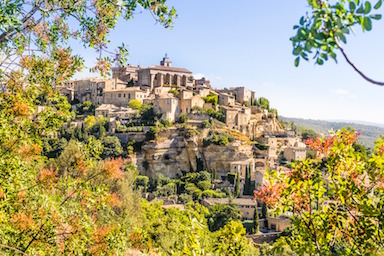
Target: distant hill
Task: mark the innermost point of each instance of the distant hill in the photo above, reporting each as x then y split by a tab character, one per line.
369	132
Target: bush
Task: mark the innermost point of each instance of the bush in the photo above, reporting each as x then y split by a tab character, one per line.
211	98
204	185
174	92
135	104
166	123
152	133
184	198
183	118
232	177
207	124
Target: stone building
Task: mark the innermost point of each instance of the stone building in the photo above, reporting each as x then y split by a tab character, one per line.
98	88
226	99
127	74
295	153
122	97
164	74
112	111
82	88
167	105
241	166
242	94
230	116
188	100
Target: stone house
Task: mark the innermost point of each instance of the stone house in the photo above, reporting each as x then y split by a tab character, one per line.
240	167
99	87
295	153
112	111
230	116
168	105
226	99
242	94
126	74
82	88
188	100
122	97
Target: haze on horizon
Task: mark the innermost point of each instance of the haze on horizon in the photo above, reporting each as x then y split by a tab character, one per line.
247	44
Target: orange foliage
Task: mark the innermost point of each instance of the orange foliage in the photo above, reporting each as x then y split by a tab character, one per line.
23	221
28	151
113	200
1	193
99	235
323	146
270	195
20	108
47	176
114	168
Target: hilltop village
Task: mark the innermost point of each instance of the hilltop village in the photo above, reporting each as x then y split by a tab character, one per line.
172	124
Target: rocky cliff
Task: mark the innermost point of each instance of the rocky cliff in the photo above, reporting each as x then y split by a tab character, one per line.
175	152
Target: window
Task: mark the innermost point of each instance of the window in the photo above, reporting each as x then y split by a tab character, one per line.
168	101
124	95
129	95
187	103
119	95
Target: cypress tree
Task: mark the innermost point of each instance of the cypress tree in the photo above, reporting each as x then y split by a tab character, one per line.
255	227
237	186
246	183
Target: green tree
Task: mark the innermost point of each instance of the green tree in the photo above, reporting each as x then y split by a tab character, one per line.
255	223
112	147
237	185
135	104
221	214
231	240
211	98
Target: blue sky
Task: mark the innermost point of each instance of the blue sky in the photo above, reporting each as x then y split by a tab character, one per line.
246	43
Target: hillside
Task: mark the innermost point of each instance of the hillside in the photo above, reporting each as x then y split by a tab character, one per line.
369	132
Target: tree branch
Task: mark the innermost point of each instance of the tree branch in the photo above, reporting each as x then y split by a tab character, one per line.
355	68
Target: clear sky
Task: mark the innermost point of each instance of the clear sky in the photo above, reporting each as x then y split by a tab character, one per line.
246	43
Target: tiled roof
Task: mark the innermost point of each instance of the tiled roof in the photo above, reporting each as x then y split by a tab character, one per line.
171	69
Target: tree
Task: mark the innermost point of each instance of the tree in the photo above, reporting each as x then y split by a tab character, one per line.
112	147
322	32
263	103
211	98
338	186
230	240
221	214
255	223
135	104
237	185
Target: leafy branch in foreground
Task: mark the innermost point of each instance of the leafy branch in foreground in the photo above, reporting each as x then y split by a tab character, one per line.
321	32
335	199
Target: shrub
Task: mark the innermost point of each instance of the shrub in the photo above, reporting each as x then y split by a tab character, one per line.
204	185
152	133
184	198
183	118
135	104
174	92
211	98
207	124
232	177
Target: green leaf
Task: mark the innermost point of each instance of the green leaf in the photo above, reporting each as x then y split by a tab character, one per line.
320	61
368	7
352	6
378	5
297	50
360	10
367	23
376	16
341	37
297	61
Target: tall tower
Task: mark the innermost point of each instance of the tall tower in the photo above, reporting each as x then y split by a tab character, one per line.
166	62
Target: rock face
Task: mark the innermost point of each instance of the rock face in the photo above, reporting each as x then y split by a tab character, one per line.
173	154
